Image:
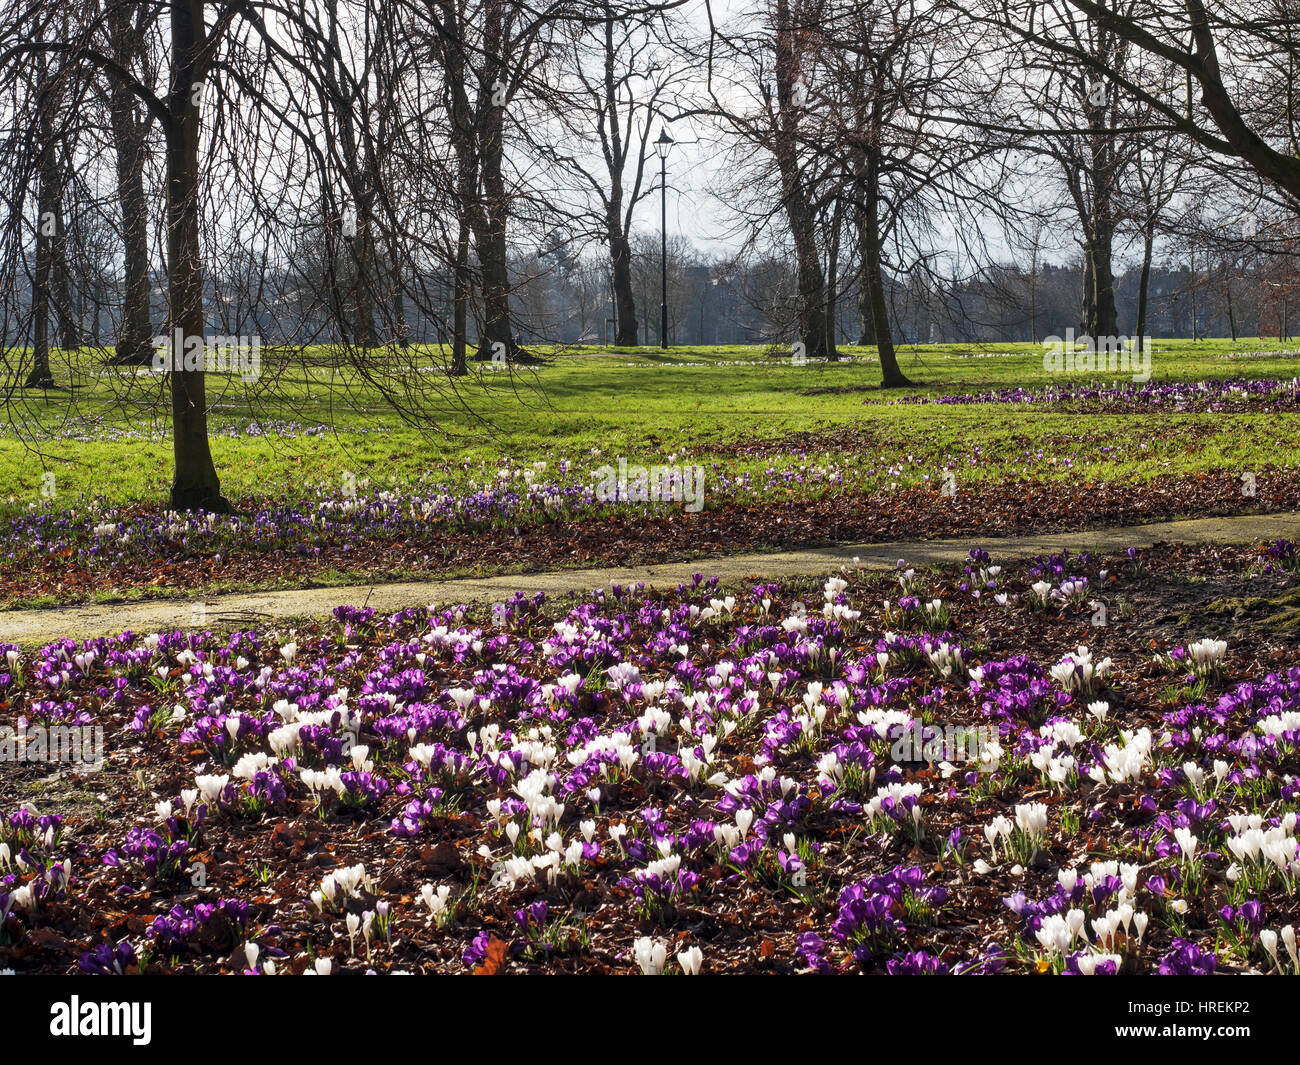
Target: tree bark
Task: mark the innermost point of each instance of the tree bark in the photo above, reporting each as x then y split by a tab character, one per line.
1088	302
40	375
397	297
60	275
135	343
1232	310
1103	320
1144	281
47	218
490	222
624	299
195	485
891	376
794	197
867	334
493	251
616	225
460	304
361	181
363	272
832	283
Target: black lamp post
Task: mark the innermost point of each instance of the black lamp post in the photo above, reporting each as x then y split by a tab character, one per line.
661	147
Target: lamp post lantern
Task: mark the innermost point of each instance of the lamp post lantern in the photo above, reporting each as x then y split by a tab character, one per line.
662	145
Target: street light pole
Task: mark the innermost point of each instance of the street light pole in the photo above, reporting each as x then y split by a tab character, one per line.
661	146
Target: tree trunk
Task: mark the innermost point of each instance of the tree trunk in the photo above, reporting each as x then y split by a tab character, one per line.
1088	304
492	219
1033	292
47	219
493	252
624	299
363	292
1104	320
794	195
1232	311
1099	229
812	285
616	226
195	485
832	281
60	275
397	299
359	175
363	266
460	304
890	374
40	375
335	277
1144	281
867	335
135	344
401	335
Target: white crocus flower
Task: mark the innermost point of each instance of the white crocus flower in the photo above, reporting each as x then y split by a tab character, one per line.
651	955
1140	923
1268	940
744	818
1031	818
1054	934
211	786
436	900
1288	940
1206	655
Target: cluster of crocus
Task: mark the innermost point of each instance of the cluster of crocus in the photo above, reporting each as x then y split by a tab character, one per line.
1210	394
870	917
1206	656
1078	674
663	754
179	928
109	960
151	853
1186	958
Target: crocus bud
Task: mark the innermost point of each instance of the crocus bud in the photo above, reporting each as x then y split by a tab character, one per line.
1268	940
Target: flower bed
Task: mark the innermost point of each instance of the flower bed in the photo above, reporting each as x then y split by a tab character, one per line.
694	780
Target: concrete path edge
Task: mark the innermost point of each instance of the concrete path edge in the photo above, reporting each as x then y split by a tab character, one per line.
263	609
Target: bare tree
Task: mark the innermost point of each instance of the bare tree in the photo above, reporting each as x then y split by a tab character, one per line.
620	73
761	98
128	24
1233	61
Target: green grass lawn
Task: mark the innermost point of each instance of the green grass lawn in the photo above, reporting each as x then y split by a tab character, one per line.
590	406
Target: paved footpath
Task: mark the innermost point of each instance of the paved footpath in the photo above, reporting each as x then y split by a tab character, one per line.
257	609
